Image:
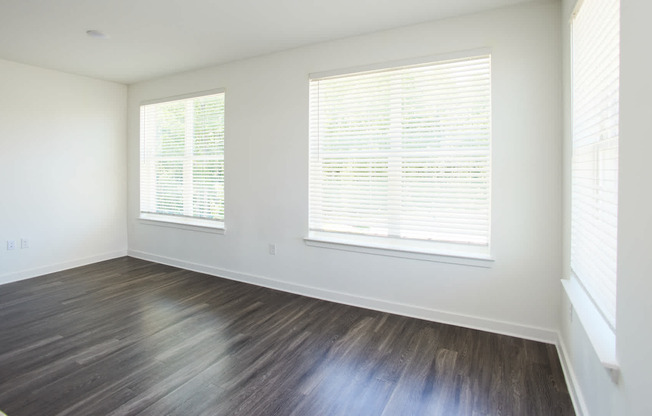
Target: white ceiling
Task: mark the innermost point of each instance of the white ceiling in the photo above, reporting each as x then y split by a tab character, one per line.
151	38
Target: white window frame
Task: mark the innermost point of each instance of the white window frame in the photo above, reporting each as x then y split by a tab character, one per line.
186	221
439	251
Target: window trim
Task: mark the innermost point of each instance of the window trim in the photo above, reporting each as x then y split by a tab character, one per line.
601	336
437	251
195	94
181	222
379	66
478	256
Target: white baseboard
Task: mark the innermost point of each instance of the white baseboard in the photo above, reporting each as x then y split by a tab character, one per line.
52	268
571	379
473	322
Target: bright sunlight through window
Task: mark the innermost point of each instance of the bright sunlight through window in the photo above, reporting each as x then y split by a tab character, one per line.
401	156
182	161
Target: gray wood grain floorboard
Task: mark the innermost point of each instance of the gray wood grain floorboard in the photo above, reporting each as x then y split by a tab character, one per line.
131	337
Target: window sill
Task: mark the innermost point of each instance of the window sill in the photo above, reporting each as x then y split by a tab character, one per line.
602	337
470	256
190	224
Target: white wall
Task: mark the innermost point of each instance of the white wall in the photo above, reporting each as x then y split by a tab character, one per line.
267	178
630	394
62	170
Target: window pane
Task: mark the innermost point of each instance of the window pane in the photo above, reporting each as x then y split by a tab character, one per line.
208	188
594	213
171	130
182	159
403	153
209	125
169	187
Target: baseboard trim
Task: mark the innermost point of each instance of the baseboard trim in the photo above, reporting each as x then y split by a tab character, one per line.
57	267
571	379
467	321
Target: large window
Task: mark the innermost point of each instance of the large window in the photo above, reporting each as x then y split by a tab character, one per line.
400	157
182	160
595	88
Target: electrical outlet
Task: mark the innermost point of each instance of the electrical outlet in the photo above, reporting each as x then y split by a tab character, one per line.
272	249
11	244
24	243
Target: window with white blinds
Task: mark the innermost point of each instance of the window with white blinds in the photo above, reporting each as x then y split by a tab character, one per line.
595	88
182	160
402	155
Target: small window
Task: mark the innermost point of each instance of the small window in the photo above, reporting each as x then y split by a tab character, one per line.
400	157
182	161
595	31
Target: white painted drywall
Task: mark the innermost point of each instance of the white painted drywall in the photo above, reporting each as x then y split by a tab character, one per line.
62	170
630	395
267	177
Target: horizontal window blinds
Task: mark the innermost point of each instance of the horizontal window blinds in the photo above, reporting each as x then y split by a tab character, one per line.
596	57
403	153
182	158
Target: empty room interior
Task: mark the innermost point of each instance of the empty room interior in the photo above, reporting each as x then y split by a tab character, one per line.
325	208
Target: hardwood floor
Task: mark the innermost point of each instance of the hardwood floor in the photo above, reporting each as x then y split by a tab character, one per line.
130	337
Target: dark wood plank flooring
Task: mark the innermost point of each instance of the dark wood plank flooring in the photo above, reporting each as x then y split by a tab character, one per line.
130	337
